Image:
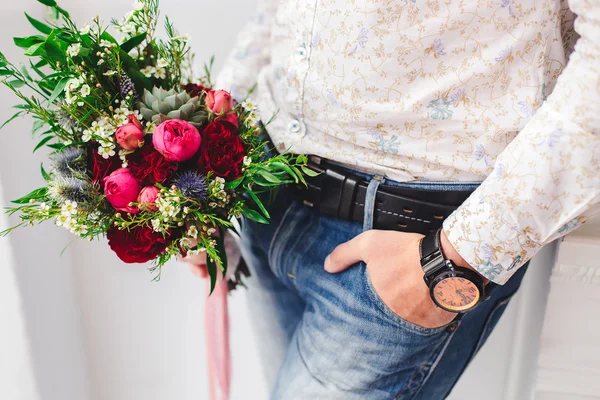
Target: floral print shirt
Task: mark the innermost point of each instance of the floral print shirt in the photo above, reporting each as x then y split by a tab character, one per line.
442	91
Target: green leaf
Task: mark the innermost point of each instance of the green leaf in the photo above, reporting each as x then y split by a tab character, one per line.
25	72
269	176
11	119
222	251
37	125
15	83
40	26
57	146
54	50
62	11
44	173
309	172
29	41
254	216
36	194
286	168
49	3
37	70
6	72
133	42
43	142
212	272
234	184
258	203
37	50
60	87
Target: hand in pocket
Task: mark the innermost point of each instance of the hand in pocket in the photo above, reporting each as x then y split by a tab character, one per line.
393	265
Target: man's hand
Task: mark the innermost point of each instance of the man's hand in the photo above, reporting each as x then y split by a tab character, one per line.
197	264
394	266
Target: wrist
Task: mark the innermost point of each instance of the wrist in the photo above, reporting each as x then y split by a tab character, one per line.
452	254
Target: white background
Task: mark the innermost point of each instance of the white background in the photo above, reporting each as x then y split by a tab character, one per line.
84	326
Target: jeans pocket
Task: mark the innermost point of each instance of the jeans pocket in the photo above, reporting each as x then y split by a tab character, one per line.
392	316
285	239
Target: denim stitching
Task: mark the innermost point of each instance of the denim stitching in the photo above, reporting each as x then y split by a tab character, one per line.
396	214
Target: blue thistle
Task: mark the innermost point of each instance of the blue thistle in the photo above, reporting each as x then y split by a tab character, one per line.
64	188
68	162
192	185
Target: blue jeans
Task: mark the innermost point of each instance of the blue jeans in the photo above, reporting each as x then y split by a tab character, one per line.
329	337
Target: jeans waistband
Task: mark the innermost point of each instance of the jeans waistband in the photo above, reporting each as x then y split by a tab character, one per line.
423	185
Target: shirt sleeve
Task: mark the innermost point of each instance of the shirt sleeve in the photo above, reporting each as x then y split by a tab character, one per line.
251	52
547	181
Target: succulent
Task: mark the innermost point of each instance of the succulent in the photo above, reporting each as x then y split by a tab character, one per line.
160	105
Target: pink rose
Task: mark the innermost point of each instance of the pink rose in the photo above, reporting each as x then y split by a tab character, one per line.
130	136
219	101
176	140
120	189
148	197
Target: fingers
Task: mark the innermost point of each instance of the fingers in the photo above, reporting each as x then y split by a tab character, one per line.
347	254
196	264
198	270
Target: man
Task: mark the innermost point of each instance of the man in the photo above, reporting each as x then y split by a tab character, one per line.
408	105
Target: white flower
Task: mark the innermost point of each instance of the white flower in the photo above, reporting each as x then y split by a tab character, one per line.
69	208
247	161
106	43
70	225
63	220
69	98
193	232
110	73
85	90
252	118
100	62
44	207
148	71
74	49
79	230
106	152
128	16
249	105
87	135
85	30
210	231
192	253
72	85
80	103
162	63
186	242
160	73
156	225
138	5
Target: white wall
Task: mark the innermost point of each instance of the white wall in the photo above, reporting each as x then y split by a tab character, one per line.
101	330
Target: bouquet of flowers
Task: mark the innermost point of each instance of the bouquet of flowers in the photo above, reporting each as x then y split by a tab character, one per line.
143	153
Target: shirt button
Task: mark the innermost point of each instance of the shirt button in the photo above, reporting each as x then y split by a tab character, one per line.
294	126
301	52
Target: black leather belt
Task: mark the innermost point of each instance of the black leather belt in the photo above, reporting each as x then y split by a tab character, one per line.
337	191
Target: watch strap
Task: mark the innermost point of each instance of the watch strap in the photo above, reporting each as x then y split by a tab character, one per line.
432	257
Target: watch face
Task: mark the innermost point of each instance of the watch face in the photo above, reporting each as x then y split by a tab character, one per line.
456	294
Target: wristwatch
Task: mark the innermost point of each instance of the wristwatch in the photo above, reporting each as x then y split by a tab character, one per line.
452	288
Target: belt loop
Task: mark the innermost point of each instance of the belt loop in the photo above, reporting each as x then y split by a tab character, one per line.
370	202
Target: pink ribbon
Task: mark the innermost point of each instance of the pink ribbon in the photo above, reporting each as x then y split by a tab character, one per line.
216	322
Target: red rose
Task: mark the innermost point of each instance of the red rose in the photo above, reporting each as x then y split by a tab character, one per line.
148	166
137	245
222	151
195	90
102	167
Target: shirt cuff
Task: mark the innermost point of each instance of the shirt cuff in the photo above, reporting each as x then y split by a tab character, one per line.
482	234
